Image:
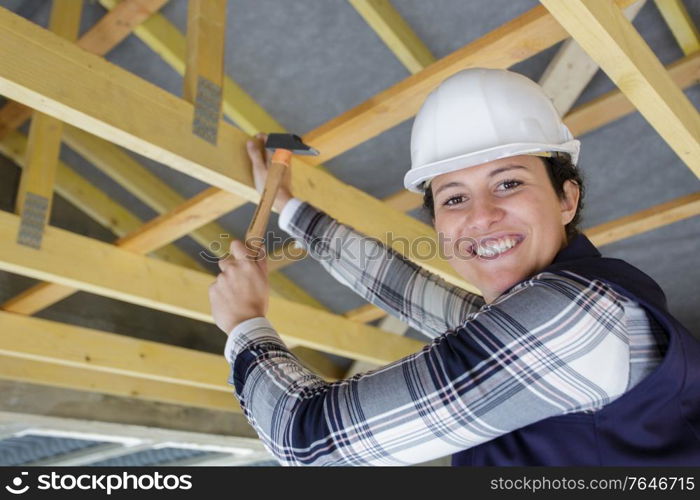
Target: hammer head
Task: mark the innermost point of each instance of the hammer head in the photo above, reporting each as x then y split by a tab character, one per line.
290	142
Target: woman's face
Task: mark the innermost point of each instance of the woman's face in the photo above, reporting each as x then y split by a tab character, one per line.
501	222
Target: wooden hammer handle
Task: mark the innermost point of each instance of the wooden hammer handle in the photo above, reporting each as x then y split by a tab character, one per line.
254	238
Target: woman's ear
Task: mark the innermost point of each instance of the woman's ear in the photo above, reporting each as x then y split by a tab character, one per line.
569	203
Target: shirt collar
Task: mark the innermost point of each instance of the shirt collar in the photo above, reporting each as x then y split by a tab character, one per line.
580	247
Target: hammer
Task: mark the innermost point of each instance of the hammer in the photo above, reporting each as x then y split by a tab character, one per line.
283	145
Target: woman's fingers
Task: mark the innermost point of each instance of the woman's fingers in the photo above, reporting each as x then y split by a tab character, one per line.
255	152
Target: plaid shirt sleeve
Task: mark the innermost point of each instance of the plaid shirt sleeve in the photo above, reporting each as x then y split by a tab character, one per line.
377	273
554	344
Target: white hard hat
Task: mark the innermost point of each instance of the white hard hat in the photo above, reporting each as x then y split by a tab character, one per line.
480	115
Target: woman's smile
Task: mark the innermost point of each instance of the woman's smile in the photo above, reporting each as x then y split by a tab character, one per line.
510	215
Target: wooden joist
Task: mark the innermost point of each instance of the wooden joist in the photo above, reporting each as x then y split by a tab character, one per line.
41	340
151	236
571	70
645	220
682	26
611	40
79	262
614	105
51	353
35	193
390	26
204	72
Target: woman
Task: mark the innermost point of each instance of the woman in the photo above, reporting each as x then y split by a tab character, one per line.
569	358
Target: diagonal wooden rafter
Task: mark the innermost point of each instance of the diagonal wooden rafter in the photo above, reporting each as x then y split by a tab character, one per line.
76	261
645	220
390	26
571	70
611	40
682	26
614	105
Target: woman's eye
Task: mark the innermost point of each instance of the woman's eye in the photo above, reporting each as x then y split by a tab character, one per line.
510	184
454	200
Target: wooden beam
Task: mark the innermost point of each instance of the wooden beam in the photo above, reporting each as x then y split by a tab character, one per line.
155	123
167	41
614	105
85	379
682	26
611	40
51	342
90	200
204	72
206	33
148	237
35	193
571	69
365	313
390	26
51	353
76	261
109	31
645	220
36	186
118	24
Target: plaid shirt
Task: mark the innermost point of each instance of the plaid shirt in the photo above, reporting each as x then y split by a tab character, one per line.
552	345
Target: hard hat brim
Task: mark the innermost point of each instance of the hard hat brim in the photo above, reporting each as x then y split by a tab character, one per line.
415	177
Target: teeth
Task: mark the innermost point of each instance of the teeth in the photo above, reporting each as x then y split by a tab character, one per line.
493	248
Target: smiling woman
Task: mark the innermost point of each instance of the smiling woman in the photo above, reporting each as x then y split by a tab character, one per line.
568	358
510	212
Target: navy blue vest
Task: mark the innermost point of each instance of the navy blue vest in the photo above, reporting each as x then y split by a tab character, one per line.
657	422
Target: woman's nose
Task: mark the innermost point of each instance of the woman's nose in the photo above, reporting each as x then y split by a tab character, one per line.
484	213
